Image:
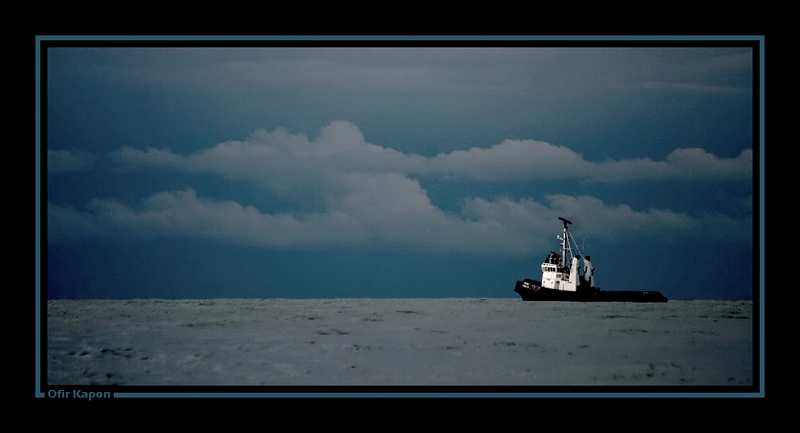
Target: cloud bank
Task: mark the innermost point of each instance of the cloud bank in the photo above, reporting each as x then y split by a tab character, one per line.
278	157
372	200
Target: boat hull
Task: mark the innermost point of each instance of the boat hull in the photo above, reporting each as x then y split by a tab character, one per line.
531	290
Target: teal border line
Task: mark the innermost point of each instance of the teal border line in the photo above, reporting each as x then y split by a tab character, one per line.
37	218
761	260
383	38
760	39
424	395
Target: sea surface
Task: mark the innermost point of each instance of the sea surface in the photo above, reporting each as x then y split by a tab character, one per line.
455	341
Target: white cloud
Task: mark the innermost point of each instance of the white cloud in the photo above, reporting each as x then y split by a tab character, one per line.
370	200
152	157
369	218
276	159
182	213
695	164
590	213
511	159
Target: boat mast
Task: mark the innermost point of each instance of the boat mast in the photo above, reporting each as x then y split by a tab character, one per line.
564	242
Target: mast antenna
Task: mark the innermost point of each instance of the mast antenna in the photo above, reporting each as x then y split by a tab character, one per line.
565	242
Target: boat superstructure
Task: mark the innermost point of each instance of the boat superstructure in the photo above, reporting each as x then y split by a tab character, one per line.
568	275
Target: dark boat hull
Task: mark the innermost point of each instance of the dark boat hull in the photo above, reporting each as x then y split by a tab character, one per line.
531	290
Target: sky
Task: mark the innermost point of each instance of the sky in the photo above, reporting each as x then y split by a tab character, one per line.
390	172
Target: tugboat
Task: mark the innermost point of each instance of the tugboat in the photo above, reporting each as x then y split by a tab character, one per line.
563	279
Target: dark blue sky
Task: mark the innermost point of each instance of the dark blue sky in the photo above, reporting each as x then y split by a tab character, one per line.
394	172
